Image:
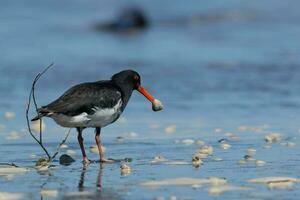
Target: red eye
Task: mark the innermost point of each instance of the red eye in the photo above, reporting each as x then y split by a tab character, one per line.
136	77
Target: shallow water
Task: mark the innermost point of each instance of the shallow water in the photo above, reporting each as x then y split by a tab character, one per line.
213	65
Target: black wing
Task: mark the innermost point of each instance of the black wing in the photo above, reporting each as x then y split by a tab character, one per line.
83	98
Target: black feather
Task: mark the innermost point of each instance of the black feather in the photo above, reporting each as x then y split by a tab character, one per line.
84	97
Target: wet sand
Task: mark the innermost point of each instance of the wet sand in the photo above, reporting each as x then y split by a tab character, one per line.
173	176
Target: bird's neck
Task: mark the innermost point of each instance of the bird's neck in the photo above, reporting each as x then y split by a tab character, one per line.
126	91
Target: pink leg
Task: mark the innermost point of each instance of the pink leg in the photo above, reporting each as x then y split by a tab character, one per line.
98	142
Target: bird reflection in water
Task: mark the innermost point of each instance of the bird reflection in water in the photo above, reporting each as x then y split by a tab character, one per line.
98	181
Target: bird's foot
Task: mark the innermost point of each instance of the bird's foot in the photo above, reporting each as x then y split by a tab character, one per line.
104	160
86	161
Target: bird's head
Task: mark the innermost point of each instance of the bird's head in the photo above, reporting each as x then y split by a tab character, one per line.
131	79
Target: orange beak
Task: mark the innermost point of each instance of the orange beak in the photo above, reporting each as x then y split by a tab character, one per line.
144	92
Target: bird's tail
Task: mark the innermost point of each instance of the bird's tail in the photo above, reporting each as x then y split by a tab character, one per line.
42	113
36	118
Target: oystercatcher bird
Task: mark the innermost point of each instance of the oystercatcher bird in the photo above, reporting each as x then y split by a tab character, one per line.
96	105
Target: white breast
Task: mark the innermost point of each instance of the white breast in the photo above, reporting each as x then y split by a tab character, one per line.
100	118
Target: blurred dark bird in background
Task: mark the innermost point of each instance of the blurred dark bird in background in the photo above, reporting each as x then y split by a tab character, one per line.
129	20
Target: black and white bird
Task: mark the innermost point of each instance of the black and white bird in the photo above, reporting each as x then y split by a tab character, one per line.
96	105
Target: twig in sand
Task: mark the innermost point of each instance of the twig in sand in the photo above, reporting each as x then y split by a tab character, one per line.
9	164
62	142
32	96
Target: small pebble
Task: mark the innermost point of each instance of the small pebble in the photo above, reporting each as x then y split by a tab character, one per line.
228	134
218	130
131	135
260	163
273	137
217	159
154	126
217	181
200	142
242	162
196	164
267	146
42	164
63	146
196	158
215	191
170	129
9	115
120	139
125	169
128	159
251	151
32	156
225	146
242	128
43	168
157	105
187	141
66	160
196	186
231	136
94	149
196	161
158	159
248	157
223	140
71	152
206	149
49	193
177	163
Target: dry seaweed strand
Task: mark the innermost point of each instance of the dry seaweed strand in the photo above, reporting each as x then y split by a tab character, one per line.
32	96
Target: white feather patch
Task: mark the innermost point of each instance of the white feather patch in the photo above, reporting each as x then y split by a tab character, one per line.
100	118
